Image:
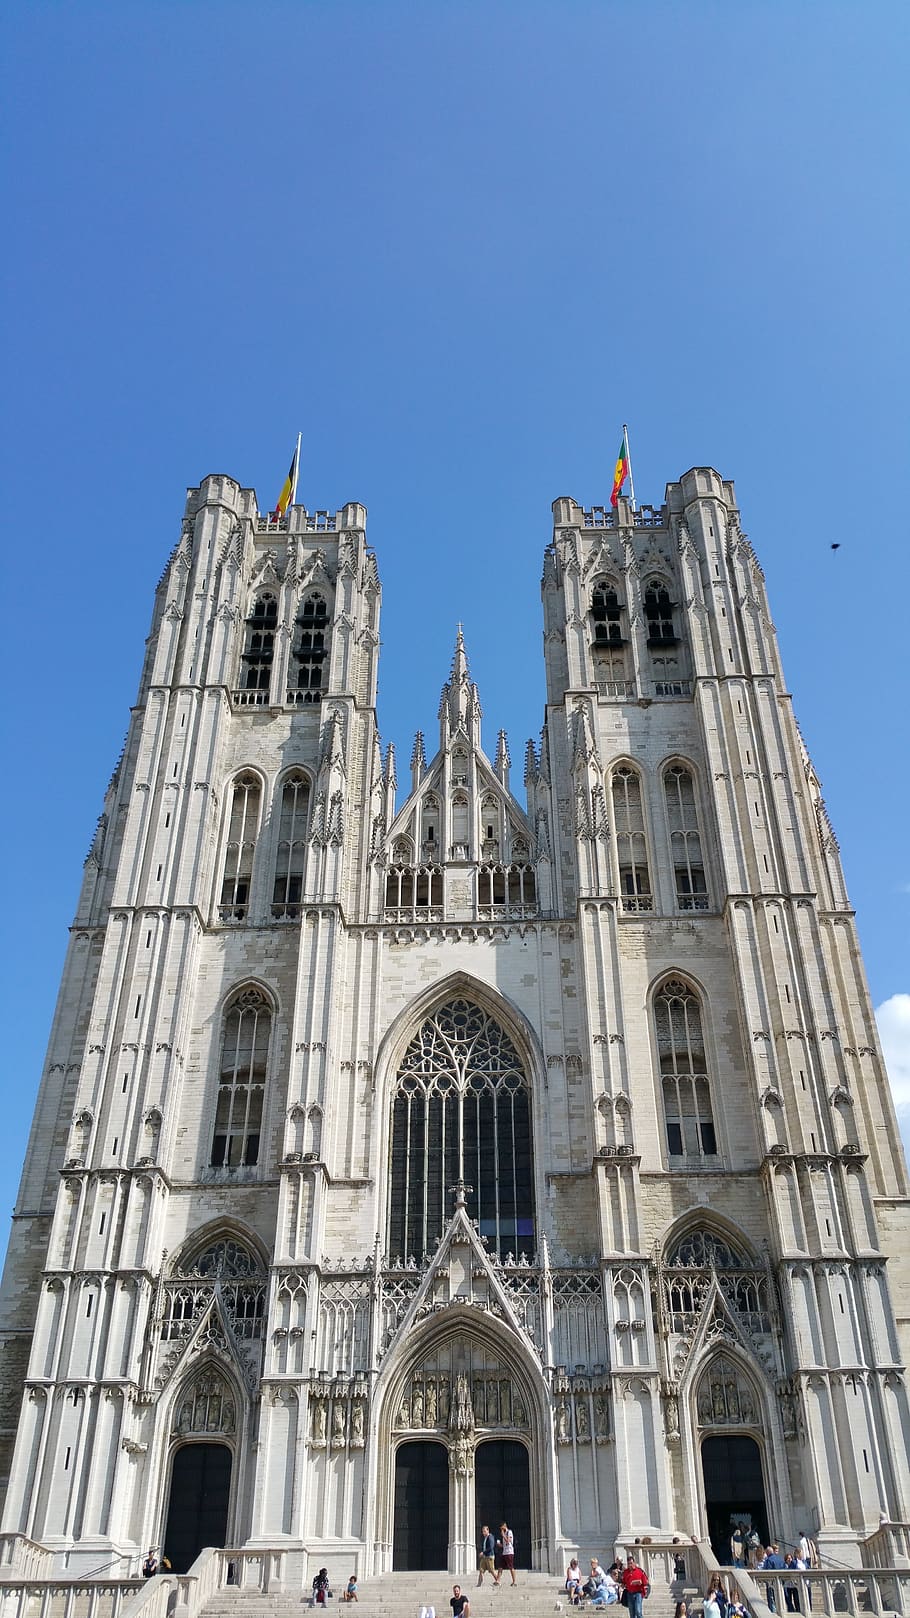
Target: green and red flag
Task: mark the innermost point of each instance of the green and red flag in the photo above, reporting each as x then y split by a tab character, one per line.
622	470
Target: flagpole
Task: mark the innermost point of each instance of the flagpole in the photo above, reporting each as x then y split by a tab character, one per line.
293	499
625	434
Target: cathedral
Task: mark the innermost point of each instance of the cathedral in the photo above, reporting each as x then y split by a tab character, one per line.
415	1152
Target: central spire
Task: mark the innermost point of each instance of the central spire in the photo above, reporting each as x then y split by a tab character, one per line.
459	704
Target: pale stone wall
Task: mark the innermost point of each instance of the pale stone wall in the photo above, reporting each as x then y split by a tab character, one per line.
610	1380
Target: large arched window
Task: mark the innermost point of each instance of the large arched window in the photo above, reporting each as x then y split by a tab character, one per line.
259	647
685	843
310	650
241	1080
684	1080
659	614
243	826
461	1112
631	842
606	615
291	856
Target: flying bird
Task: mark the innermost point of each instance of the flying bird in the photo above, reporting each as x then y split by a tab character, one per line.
835	545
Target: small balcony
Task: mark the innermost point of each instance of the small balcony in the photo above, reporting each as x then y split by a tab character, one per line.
616	690
672	688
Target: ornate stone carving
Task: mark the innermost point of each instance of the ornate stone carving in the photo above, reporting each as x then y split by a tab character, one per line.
207	1406
724	1398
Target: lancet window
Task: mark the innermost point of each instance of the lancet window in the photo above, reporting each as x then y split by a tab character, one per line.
461	827
259	646
510	889
684	1080
310	650
291	854
243	829
631	841
685	842
659	614
241	1083
416	890
461	1113
606	616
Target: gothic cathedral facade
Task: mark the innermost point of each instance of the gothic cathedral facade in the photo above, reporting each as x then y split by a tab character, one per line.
410	1159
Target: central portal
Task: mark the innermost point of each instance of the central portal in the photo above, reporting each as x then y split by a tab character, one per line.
734	1489
197	1513
502	1493
421	1524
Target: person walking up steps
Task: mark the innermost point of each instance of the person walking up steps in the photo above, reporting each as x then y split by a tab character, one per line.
507	1550
636	1587
487	1561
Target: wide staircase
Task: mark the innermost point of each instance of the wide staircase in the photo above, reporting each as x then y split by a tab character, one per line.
401	1595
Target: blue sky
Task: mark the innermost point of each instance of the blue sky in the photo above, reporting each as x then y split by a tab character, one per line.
455	245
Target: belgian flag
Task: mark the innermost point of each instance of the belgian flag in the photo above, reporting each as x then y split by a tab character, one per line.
288	488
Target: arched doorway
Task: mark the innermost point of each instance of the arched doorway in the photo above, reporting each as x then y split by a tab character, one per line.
734	1489
421	1511
502	1492
197	1513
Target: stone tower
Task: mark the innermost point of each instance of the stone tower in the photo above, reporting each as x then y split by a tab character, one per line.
399	1165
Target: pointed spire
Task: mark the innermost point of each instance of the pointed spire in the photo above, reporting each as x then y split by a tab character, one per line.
389	776
530	764
389	783
459	704
459	656
418	762
503	762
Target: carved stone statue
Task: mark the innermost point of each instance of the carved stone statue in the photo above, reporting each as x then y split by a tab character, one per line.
582	1419
357	1419
319	1422
461	1416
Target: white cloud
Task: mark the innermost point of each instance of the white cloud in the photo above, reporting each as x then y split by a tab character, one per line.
893	1018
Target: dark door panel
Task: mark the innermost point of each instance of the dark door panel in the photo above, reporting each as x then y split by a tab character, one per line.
421	1528
197	1510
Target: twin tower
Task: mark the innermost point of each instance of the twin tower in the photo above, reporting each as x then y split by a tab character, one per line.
406	1160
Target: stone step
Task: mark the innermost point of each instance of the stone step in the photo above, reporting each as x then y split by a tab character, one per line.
401	1595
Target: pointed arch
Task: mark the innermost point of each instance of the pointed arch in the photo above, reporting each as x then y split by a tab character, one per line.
416	1393
680	1038
630	834
310	649
241	832
259	646
207	1402
458	1073
683	827
461	1113
726	1390
719	1238
292	802
220	1233
243	1069
606	612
